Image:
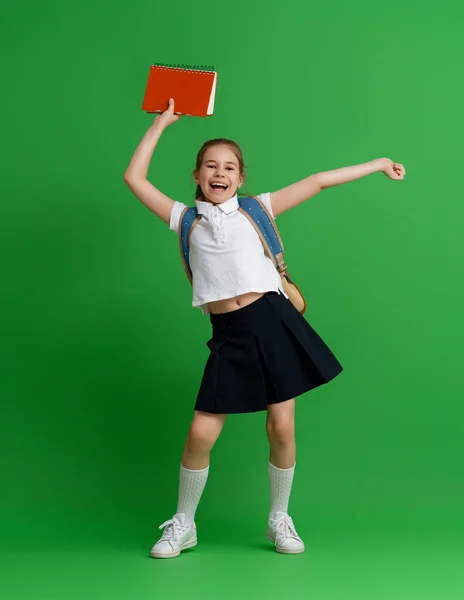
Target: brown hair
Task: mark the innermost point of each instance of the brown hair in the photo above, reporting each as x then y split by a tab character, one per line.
218	142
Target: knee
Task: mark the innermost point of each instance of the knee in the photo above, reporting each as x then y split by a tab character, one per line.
200	438
281	432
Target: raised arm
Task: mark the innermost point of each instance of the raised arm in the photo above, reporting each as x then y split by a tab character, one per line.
300	191
136	173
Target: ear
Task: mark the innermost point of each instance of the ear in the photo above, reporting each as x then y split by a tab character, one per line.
196	177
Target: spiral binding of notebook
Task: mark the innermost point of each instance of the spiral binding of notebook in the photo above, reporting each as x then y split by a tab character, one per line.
189	68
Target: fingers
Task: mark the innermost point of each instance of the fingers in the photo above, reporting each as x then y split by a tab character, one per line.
399	170
171	105
176	115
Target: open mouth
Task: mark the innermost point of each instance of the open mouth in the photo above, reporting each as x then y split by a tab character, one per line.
218	187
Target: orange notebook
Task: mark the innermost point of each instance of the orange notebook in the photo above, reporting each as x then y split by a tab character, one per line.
193	90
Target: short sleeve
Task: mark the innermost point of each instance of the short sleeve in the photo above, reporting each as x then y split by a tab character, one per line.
176	214
266	200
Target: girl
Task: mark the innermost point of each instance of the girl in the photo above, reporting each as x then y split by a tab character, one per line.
263	352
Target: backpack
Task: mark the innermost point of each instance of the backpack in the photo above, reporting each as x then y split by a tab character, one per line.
262	221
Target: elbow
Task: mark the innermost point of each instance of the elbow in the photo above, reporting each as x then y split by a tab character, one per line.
129	179
318	182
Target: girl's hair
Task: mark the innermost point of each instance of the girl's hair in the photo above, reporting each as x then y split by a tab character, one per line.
218	142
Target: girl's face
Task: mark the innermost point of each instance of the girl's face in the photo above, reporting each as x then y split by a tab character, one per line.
219	175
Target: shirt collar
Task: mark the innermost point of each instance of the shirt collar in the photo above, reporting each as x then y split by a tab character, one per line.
228	206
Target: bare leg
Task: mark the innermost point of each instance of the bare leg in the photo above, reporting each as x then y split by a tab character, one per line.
203	434
281	434
180	532
280	428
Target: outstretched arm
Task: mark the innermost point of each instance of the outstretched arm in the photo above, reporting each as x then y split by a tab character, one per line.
300	191
135	176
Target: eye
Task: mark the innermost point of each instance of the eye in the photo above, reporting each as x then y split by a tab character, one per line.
231	168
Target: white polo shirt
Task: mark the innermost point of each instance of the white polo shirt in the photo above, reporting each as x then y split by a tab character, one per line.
227	257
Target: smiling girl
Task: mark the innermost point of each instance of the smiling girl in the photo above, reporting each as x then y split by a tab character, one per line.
263	352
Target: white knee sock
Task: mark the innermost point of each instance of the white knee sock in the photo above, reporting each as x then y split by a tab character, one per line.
191	486
280	481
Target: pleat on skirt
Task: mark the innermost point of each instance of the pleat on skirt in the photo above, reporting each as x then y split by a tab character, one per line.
261	354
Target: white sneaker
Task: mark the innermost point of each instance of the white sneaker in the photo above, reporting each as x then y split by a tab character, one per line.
177	536
282	532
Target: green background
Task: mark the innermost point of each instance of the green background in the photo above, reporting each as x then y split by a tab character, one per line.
102	353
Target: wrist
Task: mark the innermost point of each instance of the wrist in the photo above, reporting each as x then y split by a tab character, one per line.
158	125
381	164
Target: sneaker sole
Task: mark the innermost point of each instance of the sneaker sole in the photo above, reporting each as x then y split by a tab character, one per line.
285	550
190	544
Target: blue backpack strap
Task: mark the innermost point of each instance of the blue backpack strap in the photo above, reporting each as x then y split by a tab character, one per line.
258	215
188	220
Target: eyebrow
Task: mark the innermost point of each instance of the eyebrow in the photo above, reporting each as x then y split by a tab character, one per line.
229	162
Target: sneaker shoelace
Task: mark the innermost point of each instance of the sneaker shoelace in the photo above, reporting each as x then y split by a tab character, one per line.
172	531
285	527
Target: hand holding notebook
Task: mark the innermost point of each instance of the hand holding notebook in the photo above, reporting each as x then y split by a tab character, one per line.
168	117
192	89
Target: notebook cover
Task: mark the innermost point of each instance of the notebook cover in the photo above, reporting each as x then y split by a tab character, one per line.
190	88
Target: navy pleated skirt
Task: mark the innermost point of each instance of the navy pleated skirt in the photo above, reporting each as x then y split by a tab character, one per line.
261	354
